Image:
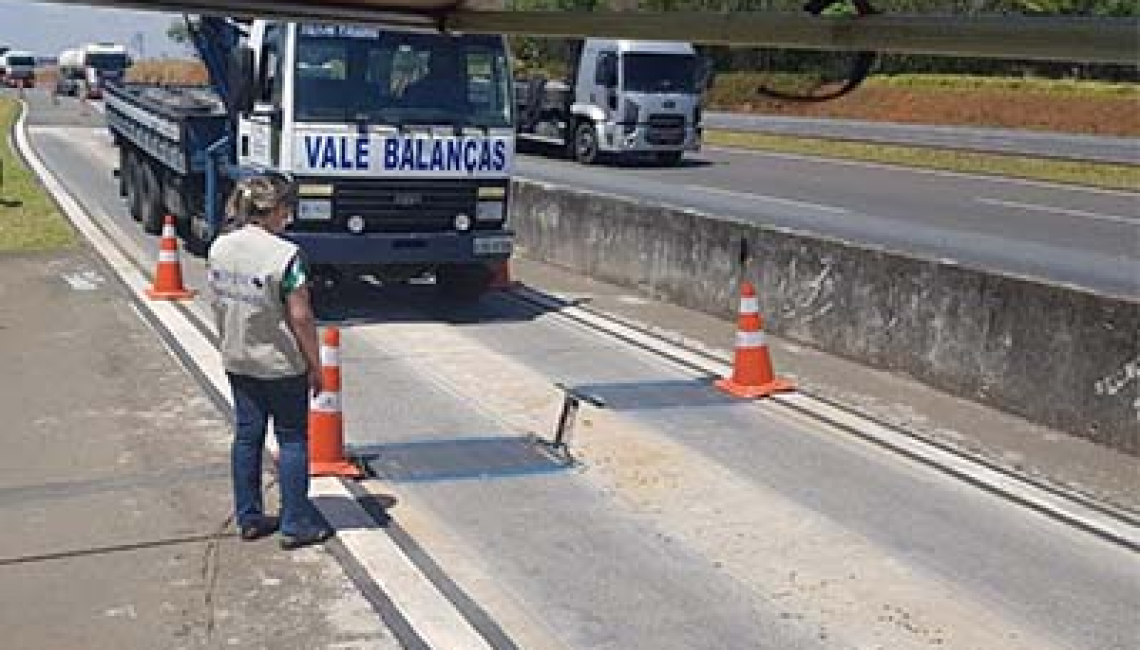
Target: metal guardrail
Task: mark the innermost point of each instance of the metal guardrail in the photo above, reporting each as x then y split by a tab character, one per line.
1090	40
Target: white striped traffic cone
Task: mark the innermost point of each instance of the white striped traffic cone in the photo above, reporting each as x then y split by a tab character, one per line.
326	424
752	374
168	275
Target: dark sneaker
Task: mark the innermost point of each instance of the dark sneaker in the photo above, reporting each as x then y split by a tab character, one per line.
256	530
291	542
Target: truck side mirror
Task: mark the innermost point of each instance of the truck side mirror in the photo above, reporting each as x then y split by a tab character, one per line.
606	74
241	79
707	74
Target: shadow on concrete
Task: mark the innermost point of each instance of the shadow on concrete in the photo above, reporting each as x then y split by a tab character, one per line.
459	459
8	203
359	302
657	395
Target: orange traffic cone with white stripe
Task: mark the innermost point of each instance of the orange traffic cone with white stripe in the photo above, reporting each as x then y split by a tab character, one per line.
168	276
752	374
326	424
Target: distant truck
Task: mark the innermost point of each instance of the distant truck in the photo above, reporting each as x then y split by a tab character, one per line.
86	71
18	68
622	98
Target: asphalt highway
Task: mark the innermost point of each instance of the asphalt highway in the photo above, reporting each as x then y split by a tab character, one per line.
1066	234
1006	141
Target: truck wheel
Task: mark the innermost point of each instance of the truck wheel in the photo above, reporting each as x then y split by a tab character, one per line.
150	199
670	158
131	177
466	282
586	149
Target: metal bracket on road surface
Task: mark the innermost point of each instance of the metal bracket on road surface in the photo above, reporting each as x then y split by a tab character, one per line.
570	404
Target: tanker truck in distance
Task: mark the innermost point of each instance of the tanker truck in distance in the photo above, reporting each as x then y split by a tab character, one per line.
87	70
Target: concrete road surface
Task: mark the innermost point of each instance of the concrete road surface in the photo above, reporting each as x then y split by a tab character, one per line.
1010	141
692	520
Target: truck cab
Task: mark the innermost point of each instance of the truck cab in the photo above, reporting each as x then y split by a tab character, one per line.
623	98
401	142
103	64
19	68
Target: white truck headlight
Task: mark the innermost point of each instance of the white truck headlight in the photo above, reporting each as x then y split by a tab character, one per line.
462	223
489	211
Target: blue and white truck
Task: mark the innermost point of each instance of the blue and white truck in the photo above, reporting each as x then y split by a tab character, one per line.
401	141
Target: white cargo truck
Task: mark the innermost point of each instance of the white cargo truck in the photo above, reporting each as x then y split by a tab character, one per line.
86	71
622	98
18	68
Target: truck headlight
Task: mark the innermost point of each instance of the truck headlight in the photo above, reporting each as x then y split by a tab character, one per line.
490	211
356	224
462	223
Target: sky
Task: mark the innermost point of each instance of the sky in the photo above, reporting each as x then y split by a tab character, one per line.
48	29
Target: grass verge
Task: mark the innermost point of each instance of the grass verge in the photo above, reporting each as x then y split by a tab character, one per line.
1094	174
29	220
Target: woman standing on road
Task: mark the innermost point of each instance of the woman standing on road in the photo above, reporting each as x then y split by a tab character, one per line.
270	354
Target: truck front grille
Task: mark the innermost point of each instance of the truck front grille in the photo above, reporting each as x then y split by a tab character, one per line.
400	206
666	129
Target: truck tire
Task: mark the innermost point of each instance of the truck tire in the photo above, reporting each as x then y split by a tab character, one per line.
464	282
586	147
150	199
131	179
670	158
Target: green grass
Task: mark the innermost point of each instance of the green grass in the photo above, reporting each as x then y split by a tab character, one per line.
29	220
1105	175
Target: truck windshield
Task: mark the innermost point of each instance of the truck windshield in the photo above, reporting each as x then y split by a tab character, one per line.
347	74
107	61
23	61
657	73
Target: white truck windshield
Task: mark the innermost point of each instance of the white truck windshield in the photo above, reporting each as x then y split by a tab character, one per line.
659	73
22	61
347	74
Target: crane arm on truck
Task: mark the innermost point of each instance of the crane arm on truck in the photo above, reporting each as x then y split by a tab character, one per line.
217	41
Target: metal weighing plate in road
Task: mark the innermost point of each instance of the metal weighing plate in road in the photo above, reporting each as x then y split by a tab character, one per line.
454	460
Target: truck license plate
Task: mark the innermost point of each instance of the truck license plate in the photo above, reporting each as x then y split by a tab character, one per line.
494	245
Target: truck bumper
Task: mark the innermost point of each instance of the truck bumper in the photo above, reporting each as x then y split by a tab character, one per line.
380	249
615	139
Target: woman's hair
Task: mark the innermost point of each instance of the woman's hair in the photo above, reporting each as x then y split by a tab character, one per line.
256	197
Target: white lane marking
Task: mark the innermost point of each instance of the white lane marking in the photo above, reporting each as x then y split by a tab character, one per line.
918	170
84	281
770	199
427	610
1112	218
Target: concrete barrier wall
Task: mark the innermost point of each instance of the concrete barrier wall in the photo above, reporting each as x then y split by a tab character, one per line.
1061	357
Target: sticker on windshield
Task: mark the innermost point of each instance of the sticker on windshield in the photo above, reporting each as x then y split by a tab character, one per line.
340	31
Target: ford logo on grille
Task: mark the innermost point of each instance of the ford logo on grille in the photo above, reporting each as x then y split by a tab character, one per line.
408	199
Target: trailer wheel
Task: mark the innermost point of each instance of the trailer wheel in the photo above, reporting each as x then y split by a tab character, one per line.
132	179
150	199
464	282
586	148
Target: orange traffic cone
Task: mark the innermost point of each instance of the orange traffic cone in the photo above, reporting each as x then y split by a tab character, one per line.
168	276
502	276
326	425
752	374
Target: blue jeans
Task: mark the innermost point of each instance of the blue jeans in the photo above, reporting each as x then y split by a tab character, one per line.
286	401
